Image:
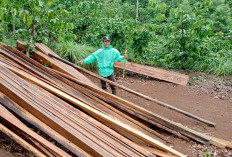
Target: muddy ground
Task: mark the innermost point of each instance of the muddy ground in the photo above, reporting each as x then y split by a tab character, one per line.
207	96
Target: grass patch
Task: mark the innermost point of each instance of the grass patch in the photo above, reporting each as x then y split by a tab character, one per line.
74	52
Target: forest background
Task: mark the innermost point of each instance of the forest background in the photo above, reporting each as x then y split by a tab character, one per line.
178	34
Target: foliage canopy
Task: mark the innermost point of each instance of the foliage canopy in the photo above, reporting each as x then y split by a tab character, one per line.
185	34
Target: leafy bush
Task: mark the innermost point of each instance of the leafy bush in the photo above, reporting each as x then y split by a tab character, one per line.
186	34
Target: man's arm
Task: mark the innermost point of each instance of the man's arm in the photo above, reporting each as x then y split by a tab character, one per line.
90	59
120	58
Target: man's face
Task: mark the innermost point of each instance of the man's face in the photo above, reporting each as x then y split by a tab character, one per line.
106	44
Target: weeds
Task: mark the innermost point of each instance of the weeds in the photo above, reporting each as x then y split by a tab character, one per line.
74	52
206	154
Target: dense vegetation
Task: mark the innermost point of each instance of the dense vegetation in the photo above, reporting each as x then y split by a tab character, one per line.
183	34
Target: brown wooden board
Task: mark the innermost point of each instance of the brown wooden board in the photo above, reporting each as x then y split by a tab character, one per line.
21	46
28	102
30	67
111	113
98	114
37	110
57	64
21	141
134	92
21	112
10	118
156	116
48	51
154	72
149	113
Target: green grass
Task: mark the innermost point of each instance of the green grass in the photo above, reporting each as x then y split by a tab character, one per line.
216	66
206	154
10	41
74	52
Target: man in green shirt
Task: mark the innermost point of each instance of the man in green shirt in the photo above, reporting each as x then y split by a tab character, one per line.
105	58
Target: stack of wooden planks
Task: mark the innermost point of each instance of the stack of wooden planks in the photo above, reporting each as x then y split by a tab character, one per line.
60	103
153	72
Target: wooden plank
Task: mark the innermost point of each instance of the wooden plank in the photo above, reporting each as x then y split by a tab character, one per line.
220	142
10	118
41	147
77	87
97	114
149	113
21	141
137	93
51	53
55	123
35	72
43	48
6	90
155	72
170	122
158	153
4	100
21	46
29	67
59	65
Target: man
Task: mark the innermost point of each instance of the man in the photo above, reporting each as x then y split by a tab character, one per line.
105	58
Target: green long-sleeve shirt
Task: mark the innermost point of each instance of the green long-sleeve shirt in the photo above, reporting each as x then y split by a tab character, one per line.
105	60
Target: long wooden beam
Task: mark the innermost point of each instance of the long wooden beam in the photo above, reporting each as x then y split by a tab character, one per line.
30	67
107	105
10	118
113	97
37	100
96	113
154	72
21	141
40	66
167	121
160	118
15	92
128	104
21	112
136	93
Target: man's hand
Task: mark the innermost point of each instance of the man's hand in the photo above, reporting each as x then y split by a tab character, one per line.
125	56
81	62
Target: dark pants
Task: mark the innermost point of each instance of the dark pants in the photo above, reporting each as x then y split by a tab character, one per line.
111	78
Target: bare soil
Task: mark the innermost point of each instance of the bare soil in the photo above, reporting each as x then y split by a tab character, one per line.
207	96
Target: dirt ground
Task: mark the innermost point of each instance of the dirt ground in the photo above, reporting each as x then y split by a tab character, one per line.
207	96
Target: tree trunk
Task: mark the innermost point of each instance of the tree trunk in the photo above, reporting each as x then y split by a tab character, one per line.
32	31
137	10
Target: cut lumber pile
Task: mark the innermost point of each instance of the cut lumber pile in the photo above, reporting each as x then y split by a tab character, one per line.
154	72
60	103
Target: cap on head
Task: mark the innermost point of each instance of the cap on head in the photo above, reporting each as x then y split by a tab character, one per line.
106	38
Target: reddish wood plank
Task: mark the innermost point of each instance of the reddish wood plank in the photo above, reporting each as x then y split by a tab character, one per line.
100	115
154	72
10	118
